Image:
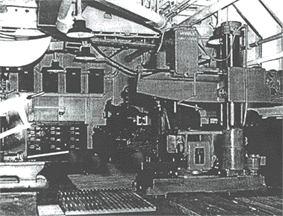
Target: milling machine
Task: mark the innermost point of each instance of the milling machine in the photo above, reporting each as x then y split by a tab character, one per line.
161	98
186	129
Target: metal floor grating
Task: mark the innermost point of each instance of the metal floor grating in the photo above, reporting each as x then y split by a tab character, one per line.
90	202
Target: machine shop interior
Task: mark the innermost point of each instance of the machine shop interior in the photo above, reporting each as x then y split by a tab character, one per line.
141	107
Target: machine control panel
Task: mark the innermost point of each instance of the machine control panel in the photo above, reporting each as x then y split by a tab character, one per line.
54	137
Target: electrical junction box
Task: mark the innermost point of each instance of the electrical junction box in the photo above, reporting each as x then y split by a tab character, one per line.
181	47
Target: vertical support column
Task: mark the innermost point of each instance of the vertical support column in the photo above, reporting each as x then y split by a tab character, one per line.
37	80
227	116
232	114
84	82
231	51
62	83
61	103
233	151
26	142
246	43
1	153
259	51
89	136
242	113
226	37
222	114
281	49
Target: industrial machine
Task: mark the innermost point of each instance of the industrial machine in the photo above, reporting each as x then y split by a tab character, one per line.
192	135
140	85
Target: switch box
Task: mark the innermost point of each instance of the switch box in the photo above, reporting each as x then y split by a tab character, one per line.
181	47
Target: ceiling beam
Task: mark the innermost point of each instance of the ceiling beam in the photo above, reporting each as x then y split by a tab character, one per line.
247	21
133	10
272	14
207	12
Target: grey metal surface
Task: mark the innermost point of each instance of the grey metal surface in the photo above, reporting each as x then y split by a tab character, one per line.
206	184
222	204
21	175
233	150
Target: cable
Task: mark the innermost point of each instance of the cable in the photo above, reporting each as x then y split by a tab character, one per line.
161	42
116	64
121	67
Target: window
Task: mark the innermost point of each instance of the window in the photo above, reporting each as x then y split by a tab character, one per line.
96	81
49	81
73	80
26	80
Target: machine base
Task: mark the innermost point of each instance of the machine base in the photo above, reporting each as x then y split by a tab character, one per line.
206	184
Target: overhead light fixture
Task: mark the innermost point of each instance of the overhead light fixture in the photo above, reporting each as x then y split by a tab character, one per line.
85	55
214	41
216	38
55	66
79	30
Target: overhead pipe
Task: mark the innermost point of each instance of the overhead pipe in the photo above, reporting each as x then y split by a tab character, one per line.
207	12
150	17
265	40
247	21
272	14
266	59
